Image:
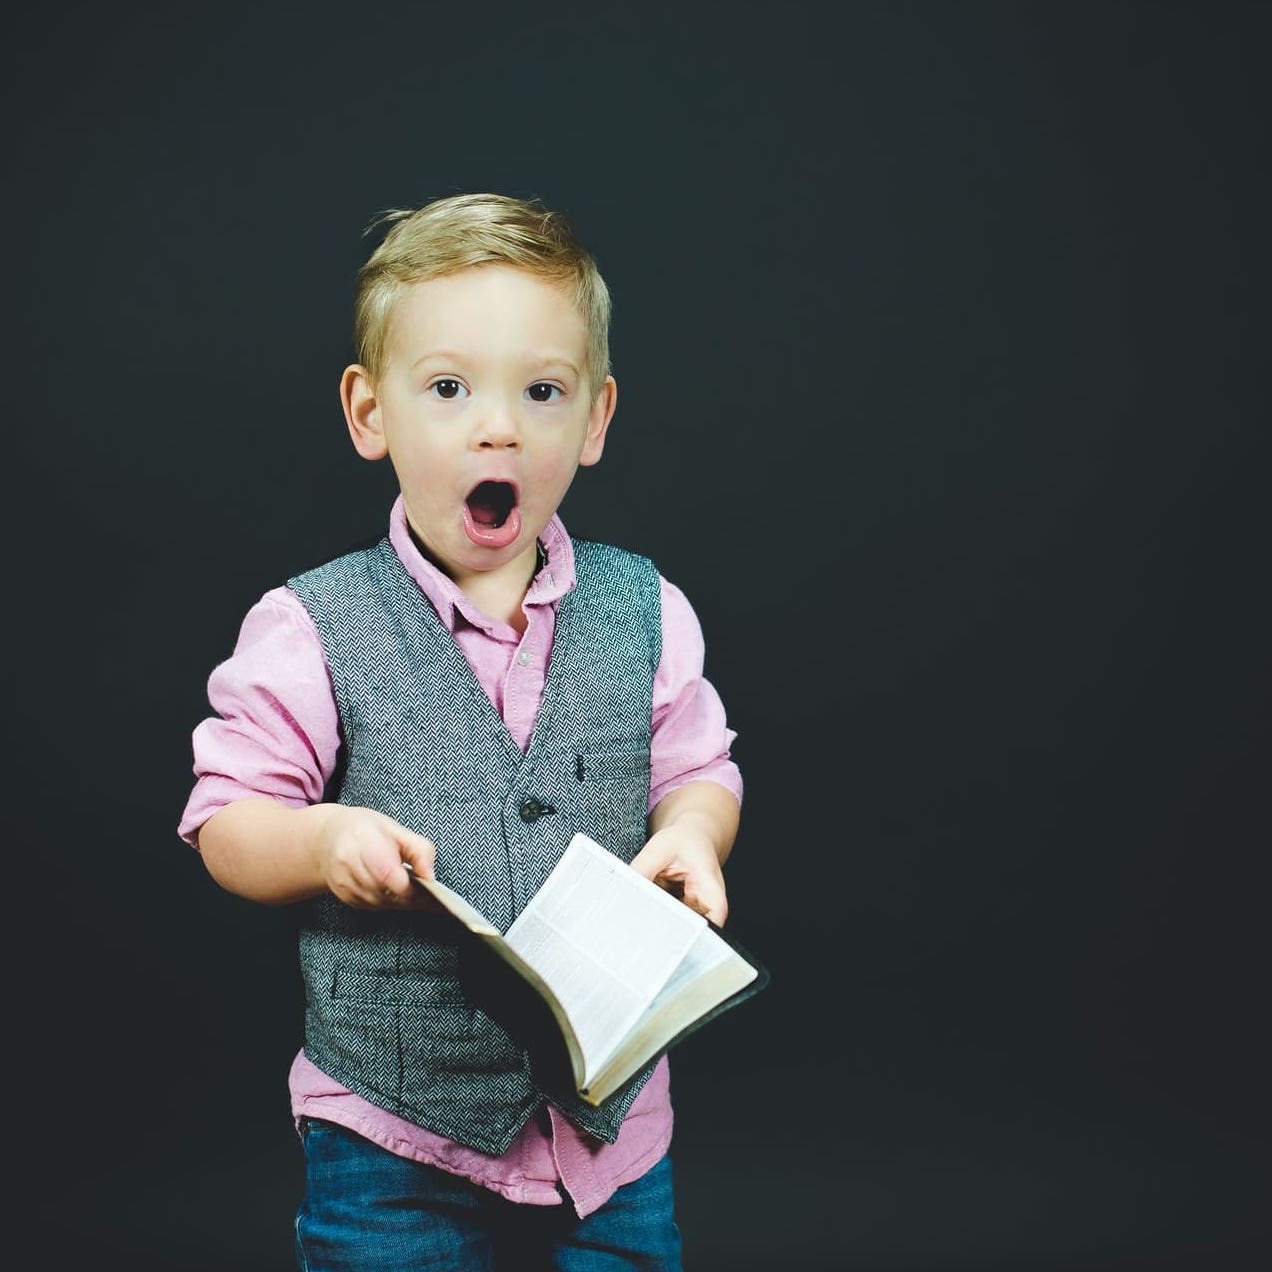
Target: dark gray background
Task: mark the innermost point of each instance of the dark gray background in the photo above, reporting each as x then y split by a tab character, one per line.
942	343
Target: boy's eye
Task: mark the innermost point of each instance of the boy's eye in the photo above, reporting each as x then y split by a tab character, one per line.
448	390
543	392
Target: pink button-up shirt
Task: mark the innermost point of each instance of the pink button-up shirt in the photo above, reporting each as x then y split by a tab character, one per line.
275	732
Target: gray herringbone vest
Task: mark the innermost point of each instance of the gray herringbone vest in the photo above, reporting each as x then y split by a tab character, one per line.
385	1009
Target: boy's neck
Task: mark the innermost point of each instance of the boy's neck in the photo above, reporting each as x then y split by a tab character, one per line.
497	593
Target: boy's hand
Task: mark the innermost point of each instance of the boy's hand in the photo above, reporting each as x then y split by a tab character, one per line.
683	860
367	859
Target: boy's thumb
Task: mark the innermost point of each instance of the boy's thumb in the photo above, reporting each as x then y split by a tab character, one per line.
418	855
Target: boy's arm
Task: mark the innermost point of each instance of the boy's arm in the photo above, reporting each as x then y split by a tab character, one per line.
265	851
692	830
263	759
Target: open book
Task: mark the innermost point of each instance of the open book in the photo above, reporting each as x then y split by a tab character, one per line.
625	968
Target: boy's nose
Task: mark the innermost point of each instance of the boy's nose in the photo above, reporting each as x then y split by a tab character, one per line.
497	428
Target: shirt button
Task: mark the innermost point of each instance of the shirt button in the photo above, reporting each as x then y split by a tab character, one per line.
523	657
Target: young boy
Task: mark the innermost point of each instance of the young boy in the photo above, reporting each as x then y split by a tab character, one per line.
457	701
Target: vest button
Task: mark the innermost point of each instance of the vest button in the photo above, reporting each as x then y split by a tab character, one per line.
530	809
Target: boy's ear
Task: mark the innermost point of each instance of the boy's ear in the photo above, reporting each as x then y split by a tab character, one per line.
362	413
598	422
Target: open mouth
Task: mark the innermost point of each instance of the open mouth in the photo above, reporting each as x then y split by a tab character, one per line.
490	502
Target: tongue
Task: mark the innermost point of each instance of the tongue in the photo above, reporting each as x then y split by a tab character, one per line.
489	535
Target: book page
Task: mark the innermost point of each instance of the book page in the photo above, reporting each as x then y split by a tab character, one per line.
711	972
606	939
482	928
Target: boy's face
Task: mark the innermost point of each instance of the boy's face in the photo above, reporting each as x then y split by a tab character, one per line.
485	412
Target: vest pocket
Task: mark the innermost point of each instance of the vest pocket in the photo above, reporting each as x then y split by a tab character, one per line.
609	798
428	991
612	765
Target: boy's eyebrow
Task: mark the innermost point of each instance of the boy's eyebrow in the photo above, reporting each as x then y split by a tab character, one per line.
442	355
537	363
555	361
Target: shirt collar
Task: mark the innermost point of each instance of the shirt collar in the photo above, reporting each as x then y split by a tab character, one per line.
554	579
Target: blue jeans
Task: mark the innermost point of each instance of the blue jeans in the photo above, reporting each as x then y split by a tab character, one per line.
368	1210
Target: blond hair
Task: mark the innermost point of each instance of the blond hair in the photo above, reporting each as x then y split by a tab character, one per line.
464	230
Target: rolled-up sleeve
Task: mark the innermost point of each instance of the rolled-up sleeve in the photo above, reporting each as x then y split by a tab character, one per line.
692	740
274	728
